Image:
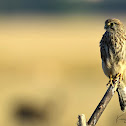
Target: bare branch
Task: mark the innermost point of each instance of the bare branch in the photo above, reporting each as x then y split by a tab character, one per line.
81	120
100	108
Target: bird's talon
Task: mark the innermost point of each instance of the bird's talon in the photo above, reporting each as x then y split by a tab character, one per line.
110	81
107	85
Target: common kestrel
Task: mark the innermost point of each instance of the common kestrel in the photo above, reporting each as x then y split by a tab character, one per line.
113	55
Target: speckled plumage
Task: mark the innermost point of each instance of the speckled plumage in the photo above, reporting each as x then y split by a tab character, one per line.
113	55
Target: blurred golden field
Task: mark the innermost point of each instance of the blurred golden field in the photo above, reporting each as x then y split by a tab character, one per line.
50	70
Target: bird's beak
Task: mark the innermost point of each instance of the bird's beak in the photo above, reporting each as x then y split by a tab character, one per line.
105	27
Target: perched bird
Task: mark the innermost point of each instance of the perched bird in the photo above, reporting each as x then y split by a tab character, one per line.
113	55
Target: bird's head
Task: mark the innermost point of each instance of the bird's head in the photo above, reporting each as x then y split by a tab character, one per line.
113	24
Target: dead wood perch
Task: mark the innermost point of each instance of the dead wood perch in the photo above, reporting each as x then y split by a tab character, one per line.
100	108
81	120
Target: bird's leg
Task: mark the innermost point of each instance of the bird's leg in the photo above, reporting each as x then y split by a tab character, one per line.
120	76
110	80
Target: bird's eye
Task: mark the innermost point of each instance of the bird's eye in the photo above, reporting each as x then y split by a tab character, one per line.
111	24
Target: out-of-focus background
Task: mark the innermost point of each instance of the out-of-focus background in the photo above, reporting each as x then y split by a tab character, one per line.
50	66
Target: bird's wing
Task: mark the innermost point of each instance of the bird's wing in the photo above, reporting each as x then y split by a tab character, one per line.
102	48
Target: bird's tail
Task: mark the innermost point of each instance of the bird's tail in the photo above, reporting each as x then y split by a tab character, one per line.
122	96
